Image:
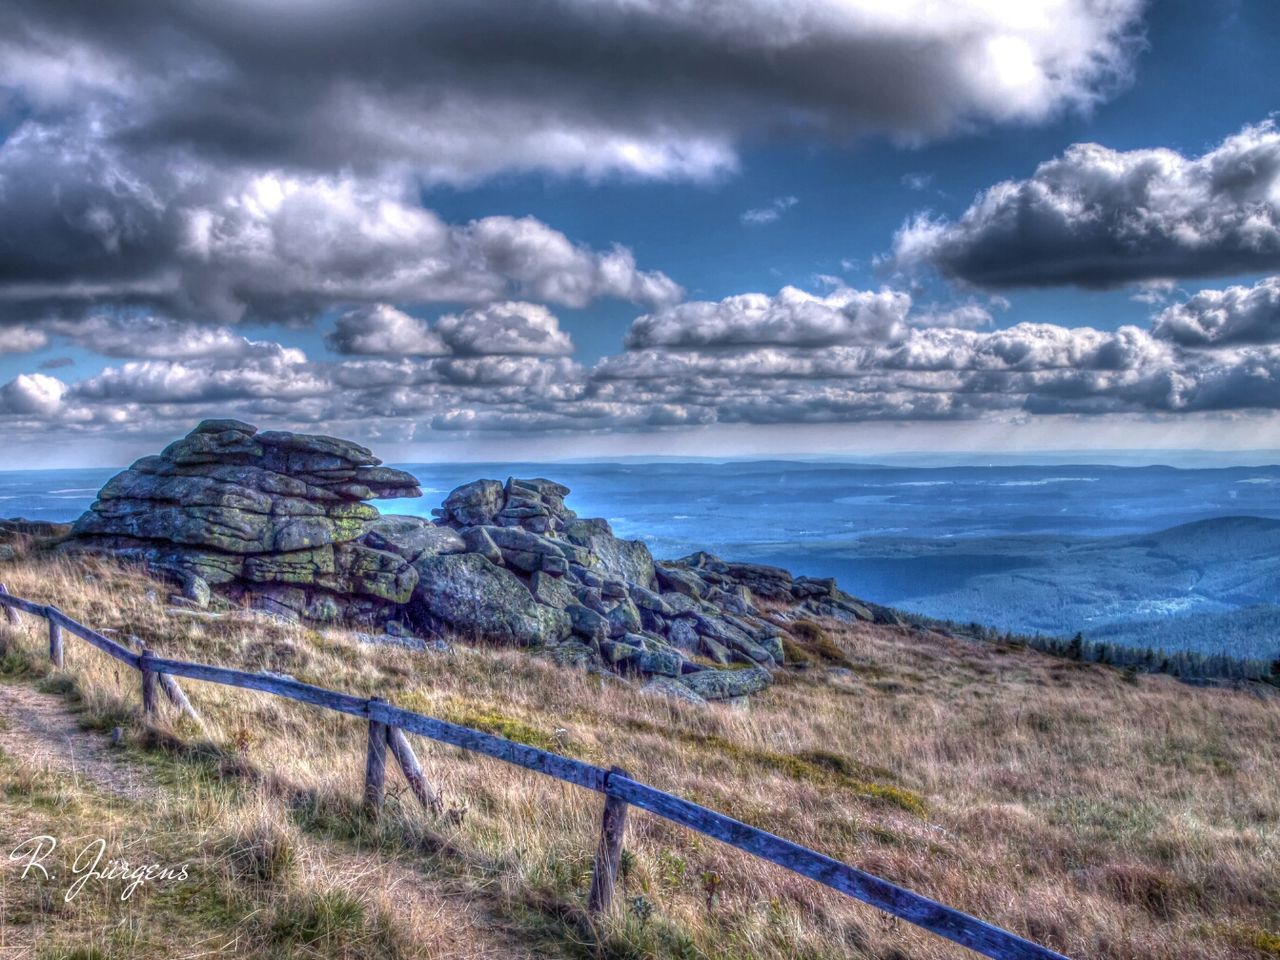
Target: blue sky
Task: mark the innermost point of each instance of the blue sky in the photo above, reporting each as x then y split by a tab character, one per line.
547	245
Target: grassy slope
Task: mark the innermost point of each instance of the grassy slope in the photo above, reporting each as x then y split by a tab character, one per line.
1106	816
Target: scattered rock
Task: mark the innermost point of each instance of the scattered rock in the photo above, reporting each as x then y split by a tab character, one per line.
674	689
727	684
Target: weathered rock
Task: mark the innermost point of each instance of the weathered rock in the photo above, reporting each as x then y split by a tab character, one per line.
375	573
648	600
221	426
623	617
551	590
727	684
659	662
675	579
477	540
412	537
299	566
673	689
195	589
466	593
586	623
628	559
475	503
683	635
345	450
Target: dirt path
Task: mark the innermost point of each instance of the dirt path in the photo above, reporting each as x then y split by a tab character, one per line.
37	729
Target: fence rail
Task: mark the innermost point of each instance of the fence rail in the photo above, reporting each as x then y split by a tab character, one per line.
388	724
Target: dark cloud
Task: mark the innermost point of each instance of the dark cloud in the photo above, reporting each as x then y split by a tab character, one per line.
87	225
461	89
1096	217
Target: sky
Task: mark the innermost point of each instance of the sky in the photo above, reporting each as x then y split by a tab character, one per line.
501	230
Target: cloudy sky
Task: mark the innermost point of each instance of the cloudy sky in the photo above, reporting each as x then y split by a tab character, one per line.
504	229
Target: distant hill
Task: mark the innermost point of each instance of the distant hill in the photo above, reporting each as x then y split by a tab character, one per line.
1212	586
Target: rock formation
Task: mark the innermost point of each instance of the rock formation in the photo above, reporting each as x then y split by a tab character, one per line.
274	517
279	520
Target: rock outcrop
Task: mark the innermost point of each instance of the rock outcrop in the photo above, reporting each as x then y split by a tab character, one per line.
280	520
275	517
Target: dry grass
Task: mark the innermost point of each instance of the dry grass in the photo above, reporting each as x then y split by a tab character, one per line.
1105	816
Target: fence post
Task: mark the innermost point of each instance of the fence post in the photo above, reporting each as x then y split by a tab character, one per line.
412	769
148	685
375	767
604	875
55	642
10	613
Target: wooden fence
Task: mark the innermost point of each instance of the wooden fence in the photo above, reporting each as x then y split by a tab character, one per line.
387	726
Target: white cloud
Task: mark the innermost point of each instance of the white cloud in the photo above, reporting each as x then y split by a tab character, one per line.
1236	315
21	339
792	317
509	327
759	216
151	337
382	330
32	394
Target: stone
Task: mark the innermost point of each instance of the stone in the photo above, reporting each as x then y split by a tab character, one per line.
715	651
616	652
664	662
475	503
682	604
375	573
299	566
212	447
477	540
587	623
412	537
195	589
221	426
674	690
646	599
467	593
345	450
555	566
551	590
628	559
683	635
675	579
623	617
727	684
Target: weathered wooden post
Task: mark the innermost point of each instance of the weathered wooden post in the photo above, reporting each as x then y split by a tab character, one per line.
55	642
412	770
148	684
10	613
375	767
604	876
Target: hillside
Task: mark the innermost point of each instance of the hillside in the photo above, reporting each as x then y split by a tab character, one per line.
1107	816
